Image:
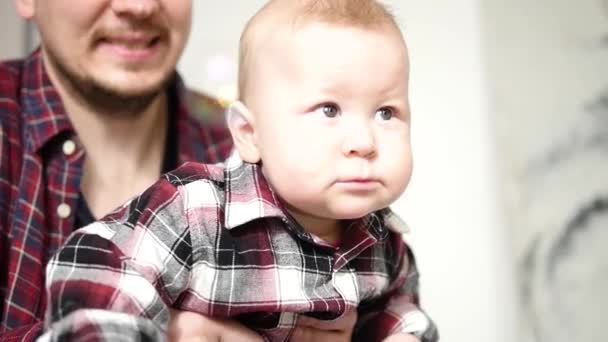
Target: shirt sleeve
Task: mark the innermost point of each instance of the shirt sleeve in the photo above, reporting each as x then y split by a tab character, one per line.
114	279
398	311
24	333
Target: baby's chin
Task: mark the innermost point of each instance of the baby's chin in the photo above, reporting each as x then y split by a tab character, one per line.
354	212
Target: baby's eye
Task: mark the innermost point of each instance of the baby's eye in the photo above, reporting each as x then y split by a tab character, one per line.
385	113
329	110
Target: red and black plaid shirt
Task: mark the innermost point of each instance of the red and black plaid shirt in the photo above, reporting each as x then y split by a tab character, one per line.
217	241
40	179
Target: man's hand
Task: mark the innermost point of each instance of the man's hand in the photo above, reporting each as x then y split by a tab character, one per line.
186	326
313	330
402	337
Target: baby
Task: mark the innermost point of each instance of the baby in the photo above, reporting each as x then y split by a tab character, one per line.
296	223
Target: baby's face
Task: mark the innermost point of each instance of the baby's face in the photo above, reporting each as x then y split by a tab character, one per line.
332	120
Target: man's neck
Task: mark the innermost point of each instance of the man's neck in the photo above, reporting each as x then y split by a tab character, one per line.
126	139
123	157
124	151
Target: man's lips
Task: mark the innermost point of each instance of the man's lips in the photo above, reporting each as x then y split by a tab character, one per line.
132	40
131	46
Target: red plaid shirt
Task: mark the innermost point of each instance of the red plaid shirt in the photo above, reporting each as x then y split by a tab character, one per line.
40	180
216	240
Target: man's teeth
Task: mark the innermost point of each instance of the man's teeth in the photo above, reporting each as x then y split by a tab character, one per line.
138	45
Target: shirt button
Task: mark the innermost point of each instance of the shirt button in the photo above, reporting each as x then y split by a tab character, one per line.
64	210
69	147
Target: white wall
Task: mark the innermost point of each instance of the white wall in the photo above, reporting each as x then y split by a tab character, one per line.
459	235
547	60
11	31
453	202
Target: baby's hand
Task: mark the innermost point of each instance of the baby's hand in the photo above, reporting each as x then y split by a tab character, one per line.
186	326
402	337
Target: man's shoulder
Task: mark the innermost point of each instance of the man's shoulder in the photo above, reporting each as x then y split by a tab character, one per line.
10	99
200	185
10	86
199	174
12	67
11	136
206	127
206	112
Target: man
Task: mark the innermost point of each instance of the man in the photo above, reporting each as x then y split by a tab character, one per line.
88	121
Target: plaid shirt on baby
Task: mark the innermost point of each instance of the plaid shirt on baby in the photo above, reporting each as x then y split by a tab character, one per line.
41	162
215	239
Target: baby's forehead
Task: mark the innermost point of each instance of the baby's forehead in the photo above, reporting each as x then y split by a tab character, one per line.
324	50
325	39
283	18
271	34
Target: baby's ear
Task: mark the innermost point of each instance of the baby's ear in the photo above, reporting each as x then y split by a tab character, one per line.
242	128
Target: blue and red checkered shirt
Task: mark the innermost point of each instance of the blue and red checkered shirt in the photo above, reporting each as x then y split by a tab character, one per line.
40	179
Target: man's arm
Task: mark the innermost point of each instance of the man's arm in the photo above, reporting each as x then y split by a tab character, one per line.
397	312
9	167
25	333
114	277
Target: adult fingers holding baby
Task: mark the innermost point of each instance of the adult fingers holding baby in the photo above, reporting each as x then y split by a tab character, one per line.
186	326
313	330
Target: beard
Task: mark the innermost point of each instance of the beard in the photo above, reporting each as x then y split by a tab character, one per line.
104	98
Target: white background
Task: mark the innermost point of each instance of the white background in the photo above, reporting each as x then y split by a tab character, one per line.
12	39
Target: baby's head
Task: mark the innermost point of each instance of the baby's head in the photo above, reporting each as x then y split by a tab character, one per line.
323	106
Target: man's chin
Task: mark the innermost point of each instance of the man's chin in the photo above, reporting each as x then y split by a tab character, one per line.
123	102
132	86
127	96
132	93
111	90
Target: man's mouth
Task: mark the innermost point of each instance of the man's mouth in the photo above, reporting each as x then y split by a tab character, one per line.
135	46
132	41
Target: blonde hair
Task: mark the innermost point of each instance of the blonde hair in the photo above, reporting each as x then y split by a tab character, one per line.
279	15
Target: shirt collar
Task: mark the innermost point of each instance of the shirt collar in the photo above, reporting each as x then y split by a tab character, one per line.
249	197
248	194
392	221
45	116
43	110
